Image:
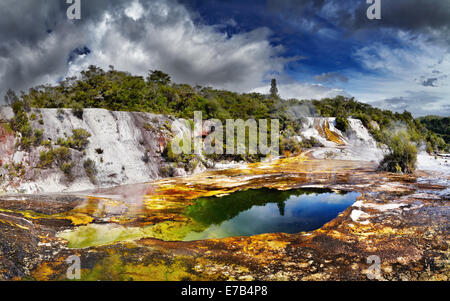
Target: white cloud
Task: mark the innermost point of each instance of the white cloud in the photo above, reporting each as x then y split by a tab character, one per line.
134	11
141	36
404	73
165	37
304	91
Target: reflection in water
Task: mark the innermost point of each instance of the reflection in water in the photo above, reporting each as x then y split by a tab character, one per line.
242	213
259	211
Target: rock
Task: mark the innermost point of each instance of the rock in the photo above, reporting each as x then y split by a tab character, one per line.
199	168
119	143
6	114
179	172
6	144
19	157
374	125
129	148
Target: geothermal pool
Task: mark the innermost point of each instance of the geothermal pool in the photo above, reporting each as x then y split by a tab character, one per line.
241	213
246	213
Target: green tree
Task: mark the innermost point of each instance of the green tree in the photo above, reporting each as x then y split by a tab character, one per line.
273	88
158	77
342	123
11	97
402	156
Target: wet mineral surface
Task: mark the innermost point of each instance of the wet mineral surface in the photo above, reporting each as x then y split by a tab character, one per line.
398	229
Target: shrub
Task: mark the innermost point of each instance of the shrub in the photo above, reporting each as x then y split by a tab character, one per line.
66	168
192	164
7	127
26	130
78	141
77	110
167	171
429	148
315	142
16	170
365	119
311	142
91	170
21	124
342	123
291	145
38	135
46	143
59	156
25	142
402	155
62	155
149	127
170	156
46	159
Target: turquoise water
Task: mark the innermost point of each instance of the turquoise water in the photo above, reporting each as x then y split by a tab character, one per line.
251	212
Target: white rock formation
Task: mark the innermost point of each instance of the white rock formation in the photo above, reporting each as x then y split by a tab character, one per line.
125	146
355	144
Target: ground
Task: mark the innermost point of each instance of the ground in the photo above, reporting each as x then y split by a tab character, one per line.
402	219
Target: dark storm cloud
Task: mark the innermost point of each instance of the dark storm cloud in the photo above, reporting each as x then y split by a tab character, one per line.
38	44
167	39
37	39
430	17
29	21
409	15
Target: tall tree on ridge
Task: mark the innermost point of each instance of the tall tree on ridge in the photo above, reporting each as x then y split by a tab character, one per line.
273	88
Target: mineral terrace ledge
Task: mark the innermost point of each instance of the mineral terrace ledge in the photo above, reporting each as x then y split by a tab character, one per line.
404	222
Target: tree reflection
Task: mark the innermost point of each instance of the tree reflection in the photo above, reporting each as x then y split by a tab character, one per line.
214	210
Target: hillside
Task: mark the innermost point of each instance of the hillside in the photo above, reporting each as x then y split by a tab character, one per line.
120	91
110	128
439	125
119	148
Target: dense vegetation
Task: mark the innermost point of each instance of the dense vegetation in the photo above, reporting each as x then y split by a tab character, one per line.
402	156
439	125
121	91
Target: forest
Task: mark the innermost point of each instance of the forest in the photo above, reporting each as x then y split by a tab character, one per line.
439	125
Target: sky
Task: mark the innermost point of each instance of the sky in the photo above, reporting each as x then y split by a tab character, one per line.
315	49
